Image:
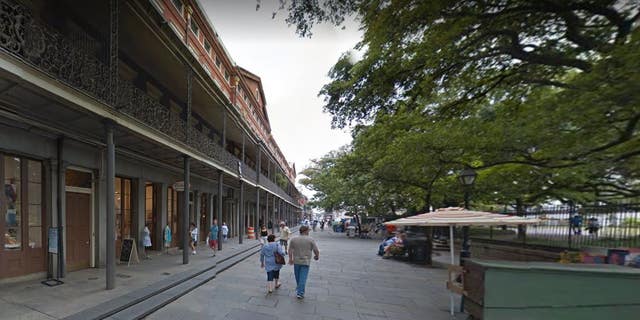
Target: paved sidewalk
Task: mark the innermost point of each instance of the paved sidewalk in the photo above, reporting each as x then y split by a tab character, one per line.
86	288
349	282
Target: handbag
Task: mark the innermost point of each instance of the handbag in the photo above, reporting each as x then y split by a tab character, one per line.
279	257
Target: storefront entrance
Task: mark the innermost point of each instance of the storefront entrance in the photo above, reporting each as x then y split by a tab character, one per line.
78	199
123	210
151	213
78	228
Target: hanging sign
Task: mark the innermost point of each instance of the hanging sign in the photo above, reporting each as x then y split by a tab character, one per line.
179	186
53	240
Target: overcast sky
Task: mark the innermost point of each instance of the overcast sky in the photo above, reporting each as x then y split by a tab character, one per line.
292	69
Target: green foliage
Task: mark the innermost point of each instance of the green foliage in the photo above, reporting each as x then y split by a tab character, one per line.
281	180
578	144
540	98
417	51
631	222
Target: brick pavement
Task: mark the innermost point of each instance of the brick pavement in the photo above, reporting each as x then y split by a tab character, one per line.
349	282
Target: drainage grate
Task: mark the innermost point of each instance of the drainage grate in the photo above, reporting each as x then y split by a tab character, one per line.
93	278
124	276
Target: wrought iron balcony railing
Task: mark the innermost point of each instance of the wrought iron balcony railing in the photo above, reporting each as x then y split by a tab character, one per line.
46	49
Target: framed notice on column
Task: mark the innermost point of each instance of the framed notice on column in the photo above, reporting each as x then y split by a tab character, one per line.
53	240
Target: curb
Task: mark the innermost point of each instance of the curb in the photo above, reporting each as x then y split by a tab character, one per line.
182	283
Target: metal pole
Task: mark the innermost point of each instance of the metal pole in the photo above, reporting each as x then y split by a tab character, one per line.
257	221
241	214
60	207
453	262
111	214
219	213
464	253
185	212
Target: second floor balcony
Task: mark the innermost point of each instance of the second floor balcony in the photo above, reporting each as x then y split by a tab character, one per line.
148	83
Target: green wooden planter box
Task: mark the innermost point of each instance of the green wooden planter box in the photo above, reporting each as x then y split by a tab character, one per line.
541	290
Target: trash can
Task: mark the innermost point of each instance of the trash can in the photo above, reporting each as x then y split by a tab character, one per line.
418	244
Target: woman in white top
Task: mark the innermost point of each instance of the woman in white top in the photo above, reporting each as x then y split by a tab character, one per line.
194	237
146	240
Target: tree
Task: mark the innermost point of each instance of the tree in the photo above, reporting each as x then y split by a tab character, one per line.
416	51
539	97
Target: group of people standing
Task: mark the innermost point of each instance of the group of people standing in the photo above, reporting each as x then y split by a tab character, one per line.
212	237
298	249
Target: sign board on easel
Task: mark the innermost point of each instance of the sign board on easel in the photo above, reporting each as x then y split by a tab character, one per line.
129	251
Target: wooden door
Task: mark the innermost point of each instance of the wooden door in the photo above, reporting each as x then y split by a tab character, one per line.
78	230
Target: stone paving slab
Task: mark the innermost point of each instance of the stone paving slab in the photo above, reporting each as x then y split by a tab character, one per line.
85	289
349	282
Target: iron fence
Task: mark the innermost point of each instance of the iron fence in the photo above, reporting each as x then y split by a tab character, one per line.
571	227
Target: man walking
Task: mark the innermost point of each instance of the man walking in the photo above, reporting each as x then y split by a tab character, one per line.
284	236
225	232
300	249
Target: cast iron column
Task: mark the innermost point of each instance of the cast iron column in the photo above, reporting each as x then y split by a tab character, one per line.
185	212
241	213
60	206
219	213
111	214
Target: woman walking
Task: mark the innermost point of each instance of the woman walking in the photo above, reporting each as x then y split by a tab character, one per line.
263	235
146	240
269	263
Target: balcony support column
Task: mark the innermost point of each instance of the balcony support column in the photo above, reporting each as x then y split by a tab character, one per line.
110	177
219	203
243	154
223	143
113	51
185	212
241	216
187	112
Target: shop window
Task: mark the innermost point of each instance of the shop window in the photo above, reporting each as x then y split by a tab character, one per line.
123	208
172	211
148	205
78	179
35	203
13	217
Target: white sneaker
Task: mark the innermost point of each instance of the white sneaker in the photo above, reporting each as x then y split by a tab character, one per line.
194	252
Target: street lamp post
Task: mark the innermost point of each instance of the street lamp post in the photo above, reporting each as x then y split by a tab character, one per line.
467	178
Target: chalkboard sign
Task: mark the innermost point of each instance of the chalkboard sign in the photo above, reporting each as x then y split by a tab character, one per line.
128	251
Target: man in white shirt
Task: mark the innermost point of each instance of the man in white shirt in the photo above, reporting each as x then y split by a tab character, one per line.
284	236
225	232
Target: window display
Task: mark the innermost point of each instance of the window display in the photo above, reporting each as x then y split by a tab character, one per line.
13	232
35	204
123	208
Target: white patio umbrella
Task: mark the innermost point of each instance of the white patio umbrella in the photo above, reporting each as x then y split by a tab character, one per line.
454	217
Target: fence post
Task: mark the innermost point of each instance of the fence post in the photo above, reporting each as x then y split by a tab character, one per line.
571	210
